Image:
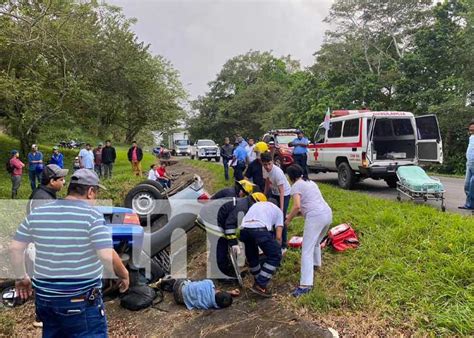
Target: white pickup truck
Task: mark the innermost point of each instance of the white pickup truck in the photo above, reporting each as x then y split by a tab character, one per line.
363	144
205	149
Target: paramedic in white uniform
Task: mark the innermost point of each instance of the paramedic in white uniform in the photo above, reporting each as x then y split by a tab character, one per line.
317	214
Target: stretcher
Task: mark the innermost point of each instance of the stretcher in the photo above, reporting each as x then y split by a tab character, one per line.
417	185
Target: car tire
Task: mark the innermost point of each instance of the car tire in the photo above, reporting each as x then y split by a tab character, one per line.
143	200
345	176
155	184
392	181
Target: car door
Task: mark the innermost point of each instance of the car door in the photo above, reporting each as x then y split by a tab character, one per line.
429	143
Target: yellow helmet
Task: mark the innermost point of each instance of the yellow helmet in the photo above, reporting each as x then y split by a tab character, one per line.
258	197
260	147
246	186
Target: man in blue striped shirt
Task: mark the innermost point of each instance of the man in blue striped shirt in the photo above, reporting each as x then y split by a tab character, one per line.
73	245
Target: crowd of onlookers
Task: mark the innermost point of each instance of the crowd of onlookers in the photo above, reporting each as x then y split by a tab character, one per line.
100	159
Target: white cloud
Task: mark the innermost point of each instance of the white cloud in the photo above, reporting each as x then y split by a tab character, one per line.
199	36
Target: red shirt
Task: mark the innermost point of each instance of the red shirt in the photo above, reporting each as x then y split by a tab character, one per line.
134	155
161	171
17	166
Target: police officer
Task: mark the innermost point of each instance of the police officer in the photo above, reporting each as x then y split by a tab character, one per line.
300	150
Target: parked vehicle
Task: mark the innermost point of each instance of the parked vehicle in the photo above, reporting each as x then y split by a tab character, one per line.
373	144
179	144
206	149
161	152
70	144
277	141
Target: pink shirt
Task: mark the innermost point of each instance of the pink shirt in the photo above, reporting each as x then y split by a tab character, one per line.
17	166
134	155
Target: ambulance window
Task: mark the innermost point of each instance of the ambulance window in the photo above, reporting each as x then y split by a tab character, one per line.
383	128
319	137
402	127
351	128
335	129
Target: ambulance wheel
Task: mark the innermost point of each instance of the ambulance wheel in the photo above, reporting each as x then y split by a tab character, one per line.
345	176
392	181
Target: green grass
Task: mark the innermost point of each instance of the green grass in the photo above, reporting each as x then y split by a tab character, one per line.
415	265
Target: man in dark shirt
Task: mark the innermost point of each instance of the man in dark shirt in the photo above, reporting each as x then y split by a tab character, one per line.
226	153
254	172
52	181
108	159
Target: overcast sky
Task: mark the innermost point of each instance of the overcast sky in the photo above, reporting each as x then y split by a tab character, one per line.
199	36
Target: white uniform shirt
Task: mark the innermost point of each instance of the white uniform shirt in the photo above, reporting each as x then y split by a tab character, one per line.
250	153
263	214
277	177
311	198
152	175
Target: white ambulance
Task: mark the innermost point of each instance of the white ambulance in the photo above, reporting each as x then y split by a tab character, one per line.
373	144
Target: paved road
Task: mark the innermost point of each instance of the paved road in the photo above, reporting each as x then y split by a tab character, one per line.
454	190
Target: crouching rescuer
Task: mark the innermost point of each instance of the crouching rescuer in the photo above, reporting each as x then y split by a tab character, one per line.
255	233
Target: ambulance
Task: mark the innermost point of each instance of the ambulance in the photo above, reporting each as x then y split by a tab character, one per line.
373	144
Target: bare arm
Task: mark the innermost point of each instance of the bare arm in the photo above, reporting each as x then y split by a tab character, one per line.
281	189
17	258
279	232
113	263
267	186
295	210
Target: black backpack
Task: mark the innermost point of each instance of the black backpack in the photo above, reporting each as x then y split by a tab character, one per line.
9	167
140	297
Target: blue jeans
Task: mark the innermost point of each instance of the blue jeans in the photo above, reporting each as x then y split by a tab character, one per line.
34	176
165	182
225	162
469	185
263	239
63	318
301	160
286	203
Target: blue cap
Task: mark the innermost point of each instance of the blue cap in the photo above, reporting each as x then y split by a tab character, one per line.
13	152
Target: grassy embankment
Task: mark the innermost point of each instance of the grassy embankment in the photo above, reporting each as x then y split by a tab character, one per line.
414	268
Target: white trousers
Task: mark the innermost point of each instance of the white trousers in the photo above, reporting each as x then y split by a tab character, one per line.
315	228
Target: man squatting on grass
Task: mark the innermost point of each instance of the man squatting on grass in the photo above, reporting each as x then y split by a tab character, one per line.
71	252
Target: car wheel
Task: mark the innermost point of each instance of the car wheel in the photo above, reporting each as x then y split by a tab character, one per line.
155	184
392	181
148	202
345	176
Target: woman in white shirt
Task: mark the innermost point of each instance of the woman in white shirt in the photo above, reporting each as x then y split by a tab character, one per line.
317	214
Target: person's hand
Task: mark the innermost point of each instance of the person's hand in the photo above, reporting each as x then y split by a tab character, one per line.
23	288
236	249
279	240
124	284
234	293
